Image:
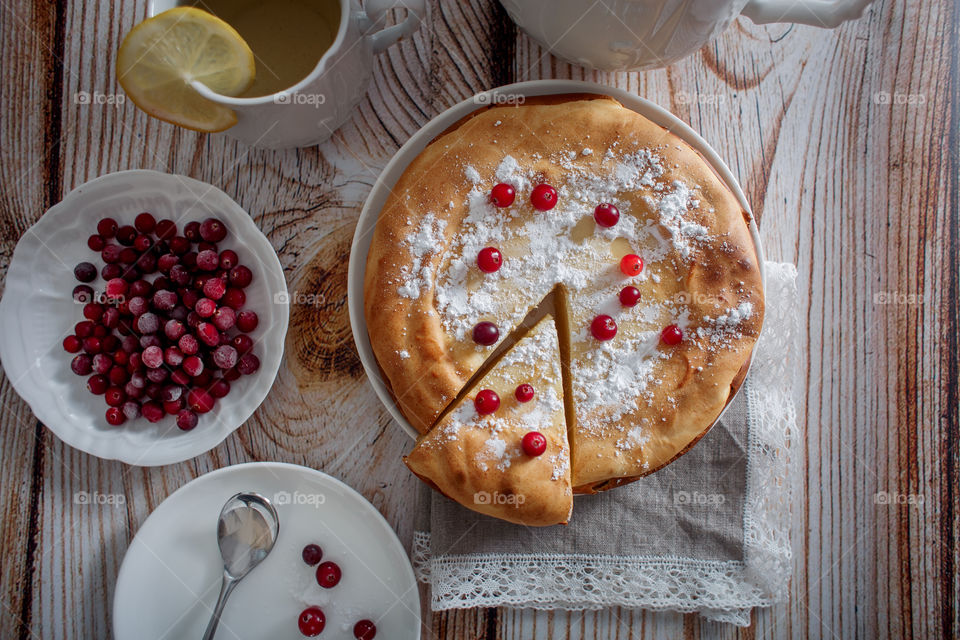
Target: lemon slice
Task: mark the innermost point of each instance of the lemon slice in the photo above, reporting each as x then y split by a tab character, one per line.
162	56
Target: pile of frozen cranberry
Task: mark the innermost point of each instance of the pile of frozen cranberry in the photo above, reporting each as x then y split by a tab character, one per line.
167	344
312	620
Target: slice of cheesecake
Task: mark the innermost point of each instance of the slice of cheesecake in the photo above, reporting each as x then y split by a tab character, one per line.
502	450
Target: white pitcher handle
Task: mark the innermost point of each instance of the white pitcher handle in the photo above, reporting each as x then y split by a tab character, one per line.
818	13
386	37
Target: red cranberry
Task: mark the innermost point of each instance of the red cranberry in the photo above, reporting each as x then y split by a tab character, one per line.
328	575
118	375
486	402
115	396
153	357
152	411
126	235
242	343
312	554
173	407
81	364
189	297
97	384
192	366
92	345
140	288
166	229
99	331
82	294
248	364
212	230
225	356
96	243
144	222
117	288
672	335
115	417
72	344
188	344
126	256
247	321
543	197
110	342
83	329
220	388
112	253
234	298
603	328
486	333
311	621
489	260
534	443
606	214
208	260
179	275
229	259
179	245
502	195
241	276
231	375
365	630
142	243
153	392
214	288
208	334
131	409
180	377
631	265
85	272
224	318
92	311
192	231
111	271
524	392
199	400
187	420
107	227
629	296
146	263
204	379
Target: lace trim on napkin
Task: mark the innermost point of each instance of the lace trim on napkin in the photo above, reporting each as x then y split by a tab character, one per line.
723	591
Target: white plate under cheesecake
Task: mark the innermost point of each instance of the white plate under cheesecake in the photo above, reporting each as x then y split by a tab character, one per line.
644	374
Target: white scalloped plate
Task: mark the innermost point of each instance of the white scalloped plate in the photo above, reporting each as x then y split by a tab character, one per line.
37	311
418	142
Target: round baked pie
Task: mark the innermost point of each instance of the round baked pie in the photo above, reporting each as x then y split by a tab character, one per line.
576	209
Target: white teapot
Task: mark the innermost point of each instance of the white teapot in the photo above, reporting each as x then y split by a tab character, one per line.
618	35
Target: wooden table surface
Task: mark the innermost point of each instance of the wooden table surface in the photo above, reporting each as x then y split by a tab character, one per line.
846	143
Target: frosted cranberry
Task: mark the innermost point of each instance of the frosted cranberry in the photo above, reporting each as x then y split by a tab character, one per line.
328	574
118	375
629	296
72	344
126	234
148	323
225	356
97	384
115	416
187	420
193	319
131	410
179	313
502	195
311	621
135	363
164	300
205	307
173	356
672	335
606	214
173	329
312	554
208	334
188	344
489	260
102	363
192	366
81	364
214	288
179	275
486	402
524	392
82	294
153	357
96	243
152	411
92	345
241	276
138	380
224	318
137	305
115	396
242	343
229	259
234	298
247	321
543	197
171	393
486	333
192	231
212	230
144	222
208	260
85	272
107	227
199	400
166	229
365	630
150	341
631	265
603	328
167	262
220	388
248	364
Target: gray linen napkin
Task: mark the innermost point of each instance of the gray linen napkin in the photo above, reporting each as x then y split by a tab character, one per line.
708	533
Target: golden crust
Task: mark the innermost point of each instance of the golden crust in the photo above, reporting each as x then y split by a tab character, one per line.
707	280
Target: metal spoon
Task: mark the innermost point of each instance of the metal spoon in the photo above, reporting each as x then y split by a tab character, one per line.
246	532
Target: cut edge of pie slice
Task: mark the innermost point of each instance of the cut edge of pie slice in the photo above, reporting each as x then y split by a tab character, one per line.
479	461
